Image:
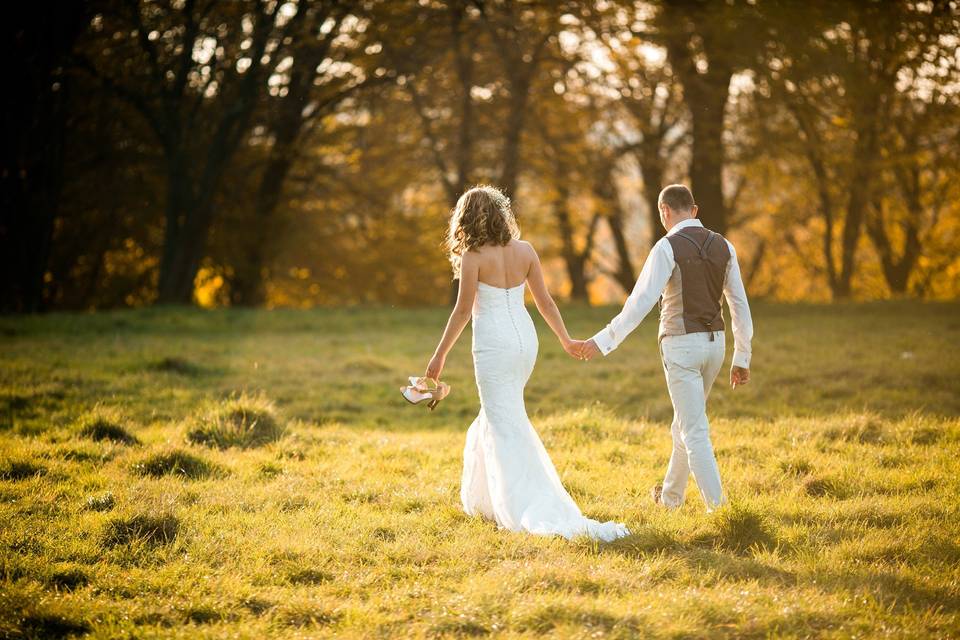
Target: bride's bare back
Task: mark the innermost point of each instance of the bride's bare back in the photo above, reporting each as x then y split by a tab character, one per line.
504	266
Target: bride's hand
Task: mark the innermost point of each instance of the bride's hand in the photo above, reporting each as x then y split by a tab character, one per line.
573	348
435	368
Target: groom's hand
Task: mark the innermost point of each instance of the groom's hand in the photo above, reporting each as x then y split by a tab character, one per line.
589	350
739	376
574	349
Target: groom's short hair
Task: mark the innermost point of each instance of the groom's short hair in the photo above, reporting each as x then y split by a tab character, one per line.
677	197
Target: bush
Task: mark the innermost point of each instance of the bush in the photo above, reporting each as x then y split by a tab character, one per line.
243	421
175	462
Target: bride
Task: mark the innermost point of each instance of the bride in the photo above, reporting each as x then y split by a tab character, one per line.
507	475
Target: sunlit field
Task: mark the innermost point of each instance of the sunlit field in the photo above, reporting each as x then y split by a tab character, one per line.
257	474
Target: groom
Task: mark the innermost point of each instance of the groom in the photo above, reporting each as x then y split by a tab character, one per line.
688	270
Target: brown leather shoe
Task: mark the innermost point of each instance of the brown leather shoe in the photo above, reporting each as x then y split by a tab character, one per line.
656	492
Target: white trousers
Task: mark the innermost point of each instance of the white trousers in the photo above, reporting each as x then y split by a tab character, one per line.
691	363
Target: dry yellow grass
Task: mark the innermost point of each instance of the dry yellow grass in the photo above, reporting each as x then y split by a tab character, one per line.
841	458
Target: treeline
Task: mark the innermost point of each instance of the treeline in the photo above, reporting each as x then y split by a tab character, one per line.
251	152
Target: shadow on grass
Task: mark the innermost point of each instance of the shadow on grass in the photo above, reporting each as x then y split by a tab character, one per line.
23	615
176	366
20	470
100	428
892	592
725	552
68	578
545	618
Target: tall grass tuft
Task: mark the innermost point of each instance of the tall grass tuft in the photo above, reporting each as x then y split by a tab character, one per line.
44	624
26	613
19	470
176	463
820	487
101	425
68	577
243	421
178	366
737	527
149	529
863	428
306	614
103	502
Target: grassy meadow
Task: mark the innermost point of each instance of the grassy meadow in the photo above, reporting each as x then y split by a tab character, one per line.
252	474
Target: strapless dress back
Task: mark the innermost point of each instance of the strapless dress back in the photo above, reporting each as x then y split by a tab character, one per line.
507	475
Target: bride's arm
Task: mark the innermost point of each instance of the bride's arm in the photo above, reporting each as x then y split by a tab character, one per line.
546	306
469	274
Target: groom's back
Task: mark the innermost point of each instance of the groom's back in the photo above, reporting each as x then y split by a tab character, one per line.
691	301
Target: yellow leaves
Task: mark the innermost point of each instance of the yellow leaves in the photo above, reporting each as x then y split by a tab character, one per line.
208	286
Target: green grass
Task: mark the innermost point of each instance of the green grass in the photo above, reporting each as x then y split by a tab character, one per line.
179	473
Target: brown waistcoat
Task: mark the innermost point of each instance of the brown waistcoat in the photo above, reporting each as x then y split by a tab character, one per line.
691	301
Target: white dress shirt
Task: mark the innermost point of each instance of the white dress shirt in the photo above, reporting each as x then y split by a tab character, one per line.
653	279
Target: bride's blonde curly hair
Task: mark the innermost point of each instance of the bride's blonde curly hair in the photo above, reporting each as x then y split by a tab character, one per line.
482	216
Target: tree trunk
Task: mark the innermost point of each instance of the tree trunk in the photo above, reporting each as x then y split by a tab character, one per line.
574	261
652	174
519	94
705	92
605	191
706	165
178	208
248	286
861	193
896	270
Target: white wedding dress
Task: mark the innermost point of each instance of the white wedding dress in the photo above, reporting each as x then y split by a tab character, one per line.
507	475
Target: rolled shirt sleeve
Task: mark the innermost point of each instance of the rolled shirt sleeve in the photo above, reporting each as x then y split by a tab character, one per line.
736	295
651	283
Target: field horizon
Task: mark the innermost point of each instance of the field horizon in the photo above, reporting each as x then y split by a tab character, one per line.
171	472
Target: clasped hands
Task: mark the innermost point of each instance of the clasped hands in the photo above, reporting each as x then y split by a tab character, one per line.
581	349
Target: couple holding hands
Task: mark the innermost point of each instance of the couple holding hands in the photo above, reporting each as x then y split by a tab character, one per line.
508	476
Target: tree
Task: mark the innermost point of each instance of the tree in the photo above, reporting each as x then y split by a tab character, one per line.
195	75
840	84
706	43
649	104
37	46
312	82
520	32
919	154
561	130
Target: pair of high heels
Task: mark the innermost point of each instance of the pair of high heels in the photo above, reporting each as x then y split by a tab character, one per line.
423	389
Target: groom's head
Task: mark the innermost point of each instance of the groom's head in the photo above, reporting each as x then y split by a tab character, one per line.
675	204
